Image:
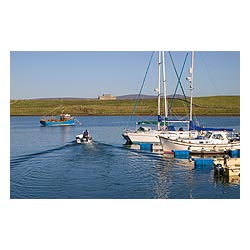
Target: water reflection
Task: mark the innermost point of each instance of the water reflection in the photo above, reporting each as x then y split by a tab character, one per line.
58	134
231	180
191	182
170	171
163	182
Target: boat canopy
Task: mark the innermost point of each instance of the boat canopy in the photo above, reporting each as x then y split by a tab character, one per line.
169	127
149	122
160	119
196	127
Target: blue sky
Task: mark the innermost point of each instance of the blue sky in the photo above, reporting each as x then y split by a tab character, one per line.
88	74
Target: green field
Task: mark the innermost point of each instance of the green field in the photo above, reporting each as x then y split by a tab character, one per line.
211	105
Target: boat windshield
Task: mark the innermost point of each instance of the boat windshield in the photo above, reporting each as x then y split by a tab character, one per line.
208	134
143	129
217	136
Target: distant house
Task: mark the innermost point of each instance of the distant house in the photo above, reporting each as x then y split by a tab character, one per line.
107	97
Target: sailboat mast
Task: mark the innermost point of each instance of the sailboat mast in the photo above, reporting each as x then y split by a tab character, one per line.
159	91
191	88
164	88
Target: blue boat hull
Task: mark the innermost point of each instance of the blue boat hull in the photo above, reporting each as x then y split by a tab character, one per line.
57	123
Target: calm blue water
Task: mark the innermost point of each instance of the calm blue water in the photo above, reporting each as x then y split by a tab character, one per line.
47	163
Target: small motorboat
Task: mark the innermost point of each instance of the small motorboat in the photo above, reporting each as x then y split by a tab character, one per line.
85	137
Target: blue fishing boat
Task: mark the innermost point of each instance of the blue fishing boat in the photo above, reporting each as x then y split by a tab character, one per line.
62	120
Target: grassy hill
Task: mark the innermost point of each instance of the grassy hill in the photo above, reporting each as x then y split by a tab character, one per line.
211	105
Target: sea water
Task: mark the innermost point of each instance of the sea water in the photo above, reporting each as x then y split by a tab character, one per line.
46	162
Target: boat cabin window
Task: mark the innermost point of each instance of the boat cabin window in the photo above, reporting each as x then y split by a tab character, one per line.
217	136
208	134
143	129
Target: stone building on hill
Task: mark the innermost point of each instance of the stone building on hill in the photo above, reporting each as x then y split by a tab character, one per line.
107	97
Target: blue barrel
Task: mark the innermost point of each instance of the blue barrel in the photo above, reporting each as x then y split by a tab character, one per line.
146	146
234	153
183	154
203	163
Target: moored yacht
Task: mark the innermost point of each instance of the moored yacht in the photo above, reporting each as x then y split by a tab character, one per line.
146	134
212	141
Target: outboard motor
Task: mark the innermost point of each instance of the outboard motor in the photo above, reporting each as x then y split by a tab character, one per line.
219	170
226	157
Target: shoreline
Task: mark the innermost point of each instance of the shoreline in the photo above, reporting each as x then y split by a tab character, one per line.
77	115
202	106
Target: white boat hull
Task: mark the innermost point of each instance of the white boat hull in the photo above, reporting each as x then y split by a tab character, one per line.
169	145
152	136
138	137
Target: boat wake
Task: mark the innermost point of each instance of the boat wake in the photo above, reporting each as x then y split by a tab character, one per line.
22	158
25	157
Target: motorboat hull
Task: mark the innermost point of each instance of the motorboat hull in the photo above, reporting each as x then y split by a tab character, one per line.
80	139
